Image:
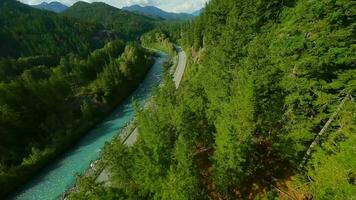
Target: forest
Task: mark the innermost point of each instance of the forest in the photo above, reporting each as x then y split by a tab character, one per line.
59	77
159	39
127	25
46	103
266	110
45	34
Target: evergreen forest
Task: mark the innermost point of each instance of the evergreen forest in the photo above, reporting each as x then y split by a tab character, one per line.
266	108
59	77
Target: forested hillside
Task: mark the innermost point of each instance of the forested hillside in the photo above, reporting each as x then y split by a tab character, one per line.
266	110
129	25
46	103
53	6
59	77
155	12
158	40
26	31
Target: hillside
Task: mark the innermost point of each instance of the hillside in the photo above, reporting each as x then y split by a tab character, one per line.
59	77
197	12
54	6
28	31
156	12
266	110
129	25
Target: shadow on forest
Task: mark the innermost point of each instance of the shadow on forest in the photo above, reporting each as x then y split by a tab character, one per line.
270	173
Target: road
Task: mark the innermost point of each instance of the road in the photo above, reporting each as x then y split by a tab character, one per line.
177	78
182	61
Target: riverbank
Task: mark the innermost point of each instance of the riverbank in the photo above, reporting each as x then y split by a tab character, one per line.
57	157
98	172
97	168
99	175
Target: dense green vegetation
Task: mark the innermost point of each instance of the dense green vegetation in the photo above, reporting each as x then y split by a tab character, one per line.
45	107
26	31
127	24
158	39
264	79
57	80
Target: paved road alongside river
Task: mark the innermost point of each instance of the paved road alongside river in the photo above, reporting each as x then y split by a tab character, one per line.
177	78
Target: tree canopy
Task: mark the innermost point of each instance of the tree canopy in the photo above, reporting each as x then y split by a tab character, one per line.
263	79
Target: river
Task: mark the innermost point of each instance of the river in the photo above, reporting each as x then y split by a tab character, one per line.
58	176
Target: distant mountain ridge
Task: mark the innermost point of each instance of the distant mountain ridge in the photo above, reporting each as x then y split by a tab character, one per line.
27	31
54	6
156	12
128	24
197	12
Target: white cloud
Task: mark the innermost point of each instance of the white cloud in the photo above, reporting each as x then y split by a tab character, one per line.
187	6
168	5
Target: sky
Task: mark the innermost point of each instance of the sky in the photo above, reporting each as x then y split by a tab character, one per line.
167	5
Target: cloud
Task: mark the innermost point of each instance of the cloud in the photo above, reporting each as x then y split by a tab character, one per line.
168	5
187	6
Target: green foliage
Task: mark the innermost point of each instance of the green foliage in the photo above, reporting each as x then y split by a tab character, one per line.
128	25
90	190
234	132
44	108
26	31
157	39
182	178
333	164
263	79
273	73
161	164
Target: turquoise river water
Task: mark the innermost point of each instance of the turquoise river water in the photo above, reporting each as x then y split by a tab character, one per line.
58	176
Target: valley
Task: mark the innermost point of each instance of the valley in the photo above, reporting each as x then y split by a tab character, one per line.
178	100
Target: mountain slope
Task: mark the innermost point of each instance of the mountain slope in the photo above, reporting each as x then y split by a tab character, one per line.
128	24
154	11
265	80
53	6
28	31
197	12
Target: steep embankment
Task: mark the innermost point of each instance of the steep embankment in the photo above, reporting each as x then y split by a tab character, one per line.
54	86
77	159
101	171
71	98
269	76
272	75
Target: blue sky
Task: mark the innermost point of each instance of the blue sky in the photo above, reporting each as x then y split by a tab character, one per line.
168	5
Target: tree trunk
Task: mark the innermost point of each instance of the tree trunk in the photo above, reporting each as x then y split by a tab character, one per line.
321	133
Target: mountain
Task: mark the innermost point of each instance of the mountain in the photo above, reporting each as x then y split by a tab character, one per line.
154	11
197	12
57	80
129	25
28	31
267	109
53	6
